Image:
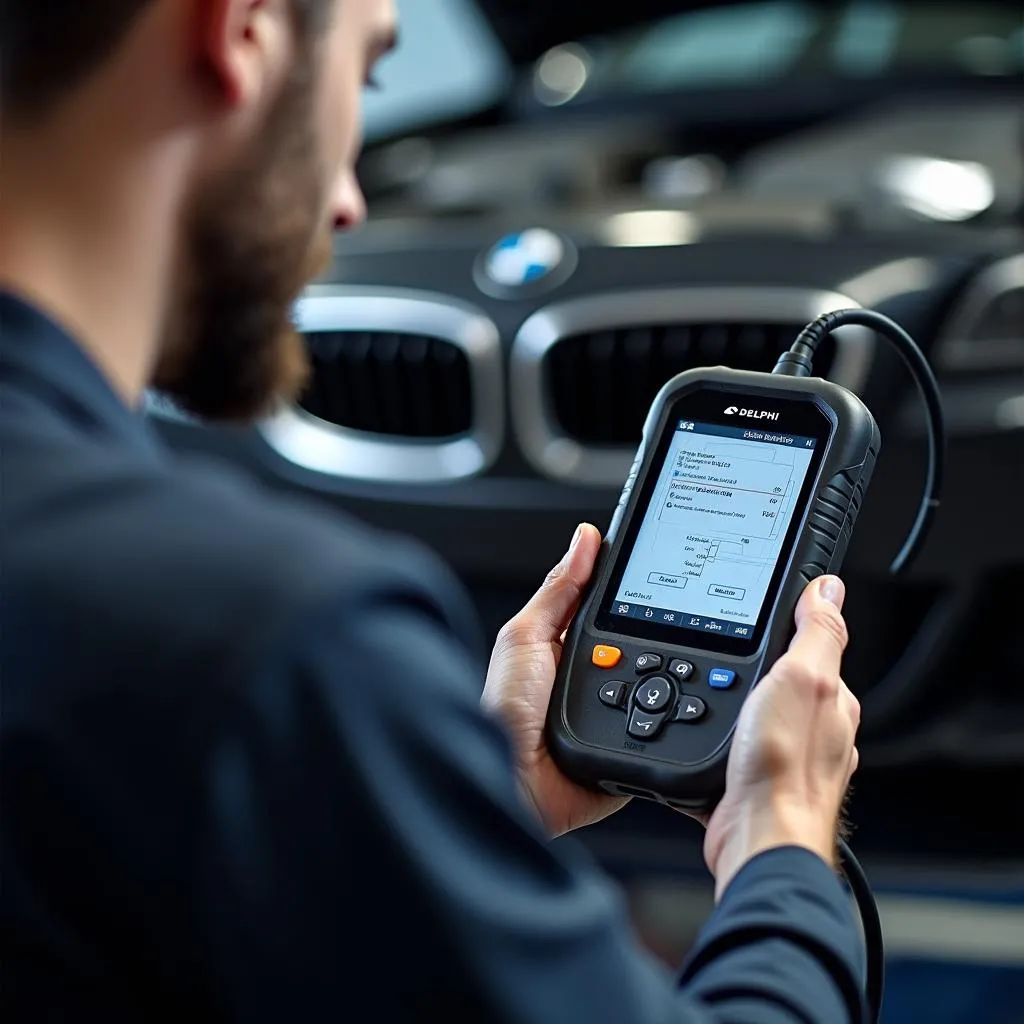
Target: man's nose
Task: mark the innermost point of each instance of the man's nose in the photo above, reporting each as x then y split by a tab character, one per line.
348	204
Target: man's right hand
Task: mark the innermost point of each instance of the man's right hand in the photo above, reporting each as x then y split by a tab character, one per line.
793	750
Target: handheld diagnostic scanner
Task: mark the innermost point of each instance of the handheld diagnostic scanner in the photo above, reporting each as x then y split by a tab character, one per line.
746	486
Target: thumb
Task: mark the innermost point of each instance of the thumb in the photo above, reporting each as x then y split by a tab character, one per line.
821	636
548	612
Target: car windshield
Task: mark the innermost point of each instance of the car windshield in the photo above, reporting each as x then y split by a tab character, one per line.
748	44
450	64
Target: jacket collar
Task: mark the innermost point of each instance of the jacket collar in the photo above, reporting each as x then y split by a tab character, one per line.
38	355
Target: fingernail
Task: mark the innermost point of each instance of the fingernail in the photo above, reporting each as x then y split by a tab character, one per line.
832	590
576	538
567	557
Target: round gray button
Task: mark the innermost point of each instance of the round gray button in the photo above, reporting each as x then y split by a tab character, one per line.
654	694
648	663
682	670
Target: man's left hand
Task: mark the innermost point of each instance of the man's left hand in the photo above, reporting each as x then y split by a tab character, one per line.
519	682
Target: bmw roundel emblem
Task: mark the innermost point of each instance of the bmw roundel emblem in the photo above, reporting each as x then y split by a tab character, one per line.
525	262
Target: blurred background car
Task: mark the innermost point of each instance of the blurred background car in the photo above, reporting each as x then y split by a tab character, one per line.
570	202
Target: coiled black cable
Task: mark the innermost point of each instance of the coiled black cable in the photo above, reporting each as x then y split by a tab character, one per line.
798	362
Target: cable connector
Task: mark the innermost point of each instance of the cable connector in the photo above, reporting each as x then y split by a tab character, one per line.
798	360
793	364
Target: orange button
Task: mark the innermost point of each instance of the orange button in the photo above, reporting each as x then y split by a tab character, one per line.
606	657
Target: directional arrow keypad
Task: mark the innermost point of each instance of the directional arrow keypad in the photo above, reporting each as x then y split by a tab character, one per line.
643	726
689	709
613	693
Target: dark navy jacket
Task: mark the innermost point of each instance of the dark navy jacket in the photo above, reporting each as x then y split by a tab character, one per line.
246	777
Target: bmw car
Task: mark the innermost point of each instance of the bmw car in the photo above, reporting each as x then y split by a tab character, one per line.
570	203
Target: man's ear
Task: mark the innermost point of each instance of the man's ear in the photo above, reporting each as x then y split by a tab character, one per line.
245	44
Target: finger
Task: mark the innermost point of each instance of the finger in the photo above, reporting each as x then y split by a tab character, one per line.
547	614
821	637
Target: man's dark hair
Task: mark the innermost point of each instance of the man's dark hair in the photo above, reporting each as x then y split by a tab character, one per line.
47	47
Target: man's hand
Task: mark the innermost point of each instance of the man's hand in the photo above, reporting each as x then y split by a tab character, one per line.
793	750
519	682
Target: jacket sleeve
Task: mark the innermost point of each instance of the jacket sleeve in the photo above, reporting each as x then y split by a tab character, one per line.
782	945
363	843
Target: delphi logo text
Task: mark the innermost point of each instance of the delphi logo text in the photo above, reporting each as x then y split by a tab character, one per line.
751	414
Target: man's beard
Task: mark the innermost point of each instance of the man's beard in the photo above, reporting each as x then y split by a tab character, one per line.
252	239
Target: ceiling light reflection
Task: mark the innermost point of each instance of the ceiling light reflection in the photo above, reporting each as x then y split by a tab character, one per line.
650	228
946	190
560	74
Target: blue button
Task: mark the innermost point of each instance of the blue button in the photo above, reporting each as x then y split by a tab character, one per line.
721	678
